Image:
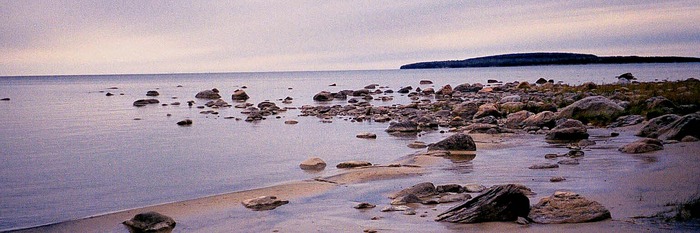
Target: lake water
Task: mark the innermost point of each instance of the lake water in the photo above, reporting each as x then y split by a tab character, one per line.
69	151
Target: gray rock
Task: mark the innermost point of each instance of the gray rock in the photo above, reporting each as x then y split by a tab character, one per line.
653	127
591	107
150	222
208	94
510	98
567	207
499	203
642	146
544	166
458	142
313	163
240	95
263	203
353	164
421	190
568	130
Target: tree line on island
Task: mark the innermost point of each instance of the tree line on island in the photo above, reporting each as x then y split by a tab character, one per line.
536	59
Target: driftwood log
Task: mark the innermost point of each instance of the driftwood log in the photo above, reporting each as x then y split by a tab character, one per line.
499	203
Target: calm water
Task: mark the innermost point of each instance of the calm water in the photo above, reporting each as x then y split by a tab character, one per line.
68	151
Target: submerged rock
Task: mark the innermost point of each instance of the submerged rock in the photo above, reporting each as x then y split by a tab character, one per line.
263	203
567	207
642	146
150	222
499	203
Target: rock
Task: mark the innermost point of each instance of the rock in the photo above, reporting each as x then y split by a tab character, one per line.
353	164
589	85
689	139
544	166
568	130
592	108
445	90
627	121
642	146
150	222
652	128
144	102
627	76
405	90
402	127
8	99
366	135
152	93
576	153
567	207
541	81
396	208
421	190
568	162
488	109
263	203
208	94
314	163
511	107
542	119
517	119
454	198
557	179
688	125
291	122
585	142
452	188
364	205
499	203
492	81
465	87
474	188
405	199
186	122
417	145
240	95
510	98
522	221
425	82
458	142
323	96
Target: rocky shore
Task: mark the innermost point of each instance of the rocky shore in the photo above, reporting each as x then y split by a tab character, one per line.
663	118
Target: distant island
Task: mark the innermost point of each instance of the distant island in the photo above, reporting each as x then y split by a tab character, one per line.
537	59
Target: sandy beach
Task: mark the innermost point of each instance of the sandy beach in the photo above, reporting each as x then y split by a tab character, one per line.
325	204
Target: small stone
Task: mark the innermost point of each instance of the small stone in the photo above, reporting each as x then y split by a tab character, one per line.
263	203
409	198
150	222
186	122
522	221
689	139
395	208
474	188
575	153
152	93
314	163
417	145
376	218
366	135
353	164
568	162
409	212
557	179
544	166
551	156
370	230
614	134
364	205
291	122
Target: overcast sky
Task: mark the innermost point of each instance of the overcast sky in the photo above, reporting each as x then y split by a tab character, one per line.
107	36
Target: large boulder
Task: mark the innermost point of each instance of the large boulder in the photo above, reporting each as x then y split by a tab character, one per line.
592	108
688	125
567	207
150	222
542	119
208	94
458	141
653	127
487	109
569	130
499	203
239	95
642	146
627	121
516	120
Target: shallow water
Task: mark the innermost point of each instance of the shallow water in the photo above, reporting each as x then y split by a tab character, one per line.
69	151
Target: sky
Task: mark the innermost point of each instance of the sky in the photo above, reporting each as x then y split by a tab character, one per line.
65	37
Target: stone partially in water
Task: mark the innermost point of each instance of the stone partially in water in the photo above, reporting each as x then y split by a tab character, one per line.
263	203
420	190
150	222
567	207
186	122
642	146
208	94
314	164
353	164
456	142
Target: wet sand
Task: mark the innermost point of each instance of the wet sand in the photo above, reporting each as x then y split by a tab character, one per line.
325	204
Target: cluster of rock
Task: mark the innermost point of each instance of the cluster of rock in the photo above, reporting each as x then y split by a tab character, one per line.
666	128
